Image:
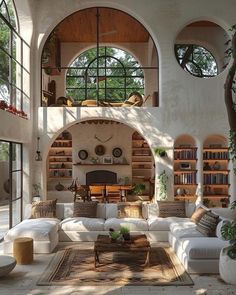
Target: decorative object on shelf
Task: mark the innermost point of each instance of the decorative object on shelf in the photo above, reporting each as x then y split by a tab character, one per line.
125	232
161	152
100	150
107	160
94	160
103	141
124	161
59	187
185	166
163	180
216	166
180	191
206	166
38	156
83	154
117	152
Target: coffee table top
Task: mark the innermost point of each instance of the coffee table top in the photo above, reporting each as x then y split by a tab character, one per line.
137	242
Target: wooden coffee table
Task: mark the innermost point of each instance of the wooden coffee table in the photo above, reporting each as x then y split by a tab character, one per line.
138	243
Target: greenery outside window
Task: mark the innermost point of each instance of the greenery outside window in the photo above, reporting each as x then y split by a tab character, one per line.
196	60
109	76
14	63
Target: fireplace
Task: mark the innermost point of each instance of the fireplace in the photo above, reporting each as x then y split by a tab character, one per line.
101	177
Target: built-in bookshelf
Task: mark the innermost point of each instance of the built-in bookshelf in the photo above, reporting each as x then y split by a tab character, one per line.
216	175
185	172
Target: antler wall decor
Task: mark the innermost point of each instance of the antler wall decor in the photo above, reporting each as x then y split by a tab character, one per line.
103	141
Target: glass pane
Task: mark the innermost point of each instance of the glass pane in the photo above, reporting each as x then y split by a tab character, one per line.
16	47
26	105
26	83
4	66
16	156
4	188
26	57
16	98
16	74
16	185
16	212
4	36
5	91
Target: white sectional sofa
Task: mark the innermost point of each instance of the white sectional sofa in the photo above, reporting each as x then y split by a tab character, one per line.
198	254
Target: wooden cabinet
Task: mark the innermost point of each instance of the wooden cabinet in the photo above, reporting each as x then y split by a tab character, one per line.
215	177
142	162
60	159
185	173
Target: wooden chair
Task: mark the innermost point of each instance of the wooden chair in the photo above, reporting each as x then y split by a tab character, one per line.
97	192
113	193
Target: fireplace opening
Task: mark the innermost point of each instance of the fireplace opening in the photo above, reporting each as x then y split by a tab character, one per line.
101	177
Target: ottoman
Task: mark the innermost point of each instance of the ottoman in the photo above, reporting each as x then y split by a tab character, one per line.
23	250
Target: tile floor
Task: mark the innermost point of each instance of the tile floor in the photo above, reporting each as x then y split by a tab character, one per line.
22	281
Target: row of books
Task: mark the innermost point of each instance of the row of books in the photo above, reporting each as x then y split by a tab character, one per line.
185	178
185	155
218	178
215	155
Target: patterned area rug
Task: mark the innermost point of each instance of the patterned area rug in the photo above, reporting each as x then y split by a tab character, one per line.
76	267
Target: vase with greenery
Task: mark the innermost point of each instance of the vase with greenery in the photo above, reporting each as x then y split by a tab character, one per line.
163	180
160	152
125	232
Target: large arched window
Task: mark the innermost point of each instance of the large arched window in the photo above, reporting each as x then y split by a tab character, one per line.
111	75
14	63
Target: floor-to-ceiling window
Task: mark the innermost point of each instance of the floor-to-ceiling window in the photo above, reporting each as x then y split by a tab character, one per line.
10	185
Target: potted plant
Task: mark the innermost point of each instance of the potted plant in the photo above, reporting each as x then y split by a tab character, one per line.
227	263
163	179
161	152
138	189
125	232
36	194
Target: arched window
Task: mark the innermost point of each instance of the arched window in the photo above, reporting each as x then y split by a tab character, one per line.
111	75
14	62
196	60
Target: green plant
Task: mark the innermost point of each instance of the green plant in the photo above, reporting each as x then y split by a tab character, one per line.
138	188
124	230
228	233
115	235
163	180
161	152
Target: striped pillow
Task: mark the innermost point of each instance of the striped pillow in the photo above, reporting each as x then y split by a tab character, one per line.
175	208
207	224
44	209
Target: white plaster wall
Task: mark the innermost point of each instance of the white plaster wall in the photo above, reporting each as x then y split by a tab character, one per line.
188	105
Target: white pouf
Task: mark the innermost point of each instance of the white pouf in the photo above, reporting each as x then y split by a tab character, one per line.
7	263
227	267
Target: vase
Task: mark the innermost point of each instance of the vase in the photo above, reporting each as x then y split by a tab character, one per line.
227	267
126	236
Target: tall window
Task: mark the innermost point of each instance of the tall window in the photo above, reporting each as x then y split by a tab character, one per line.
10	185
14	61
111	75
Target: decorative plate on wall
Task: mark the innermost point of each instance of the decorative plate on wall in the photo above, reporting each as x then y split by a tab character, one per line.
100	150
83	154
117	152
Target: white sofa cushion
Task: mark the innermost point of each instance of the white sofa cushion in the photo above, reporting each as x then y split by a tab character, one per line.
163	223
134	224
184	229
202	248
111	211
82	224
39	229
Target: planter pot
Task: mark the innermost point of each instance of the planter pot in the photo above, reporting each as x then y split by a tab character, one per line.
227	267
126	237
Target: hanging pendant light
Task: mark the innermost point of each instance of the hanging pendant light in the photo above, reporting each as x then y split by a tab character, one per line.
38	156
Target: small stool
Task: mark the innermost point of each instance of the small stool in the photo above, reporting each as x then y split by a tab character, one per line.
23	250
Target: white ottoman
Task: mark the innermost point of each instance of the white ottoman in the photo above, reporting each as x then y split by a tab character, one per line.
7	263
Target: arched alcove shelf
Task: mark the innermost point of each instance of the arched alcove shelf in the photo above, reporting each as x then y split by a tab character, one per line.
185	173
215	171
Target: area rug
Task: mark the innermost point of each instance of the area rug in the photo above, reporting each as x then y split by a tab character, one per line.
76	267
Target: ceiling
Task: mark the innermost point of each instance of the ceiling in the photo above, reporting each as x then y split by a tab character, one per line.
114	26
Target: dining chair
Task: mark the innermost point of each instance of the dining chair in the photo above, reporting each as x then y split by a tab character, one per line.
97	193
113	193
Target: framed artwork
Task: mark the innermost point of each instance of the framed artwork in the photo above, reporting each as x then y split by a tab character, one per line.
107	160
117	152
100	150
83	154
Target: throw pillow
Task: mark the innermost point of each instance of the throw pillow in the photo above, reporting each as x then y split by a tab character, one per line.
197	215
129	210
168	208
85	209
207	224
44	209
